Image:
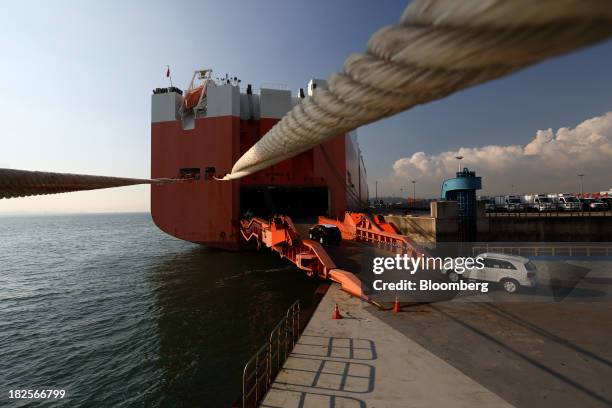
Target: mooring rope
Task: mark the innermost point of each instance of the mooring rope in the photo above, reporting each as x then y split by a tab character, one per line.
23	183
438	48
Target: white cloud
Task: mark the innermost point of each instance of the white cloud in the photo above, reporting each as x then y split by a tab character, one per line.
549	163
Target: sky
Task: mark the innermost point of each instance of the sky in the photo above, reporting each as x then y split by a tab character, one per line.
76	79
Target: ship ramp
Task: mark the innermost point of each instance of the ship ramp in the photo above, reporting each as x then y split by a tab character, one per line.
338	264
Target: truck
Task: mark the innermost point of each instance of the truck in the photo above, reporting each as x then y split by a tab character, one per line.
565	202
538	202
508	203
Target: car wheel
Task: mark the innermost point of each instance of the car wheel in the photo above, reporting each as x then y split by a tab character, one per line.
453	276
510	285
321	240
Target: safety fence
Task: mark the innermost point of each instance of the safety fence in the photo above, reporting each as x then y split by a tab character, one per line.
551	213
262	368
547	250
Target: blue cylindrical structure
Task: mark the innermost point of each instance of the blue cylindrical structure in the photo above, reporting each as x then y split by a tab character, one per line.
462	189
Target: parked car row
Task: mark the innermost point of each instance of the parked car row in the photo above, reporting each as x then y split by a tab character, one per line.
545	202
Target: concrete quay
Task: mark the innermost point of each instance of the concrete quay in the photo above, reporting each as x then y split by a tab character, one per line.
360	361
545	348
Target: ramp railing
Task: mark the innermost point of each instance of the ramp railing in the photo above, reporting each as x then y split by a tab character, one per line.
361	228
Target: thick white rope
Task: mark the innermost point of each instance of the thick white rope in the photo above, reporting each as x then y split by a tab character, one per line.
438	48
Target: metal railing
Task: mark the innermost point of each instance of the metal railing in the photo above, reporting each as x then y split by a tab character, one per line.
549	213
552	250
262	368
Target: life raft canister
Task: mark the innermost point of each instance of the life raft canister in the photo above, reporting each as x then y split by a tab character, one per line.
193	96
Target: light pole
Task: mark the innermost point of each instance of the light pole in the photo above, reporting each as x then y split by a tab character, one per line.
581	185
413	192
376	191
459	163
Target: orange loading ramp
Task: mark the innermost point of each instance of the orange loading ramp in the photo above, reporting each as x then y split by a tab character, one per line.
280	235
374	231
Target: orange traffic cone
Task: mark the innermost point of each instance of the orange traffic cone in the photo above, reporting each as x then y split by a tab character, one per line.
336	315
396	306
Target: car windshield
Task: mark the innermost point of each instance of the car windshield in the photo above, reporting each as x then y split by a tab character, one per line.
514	201
530	266
544	200
571	199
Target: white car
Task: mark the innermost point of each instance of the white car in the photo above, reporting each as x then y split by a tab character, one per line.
509	270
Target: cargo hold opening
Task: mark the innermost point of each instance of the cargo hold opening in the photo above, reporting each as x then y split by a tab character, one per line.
298	202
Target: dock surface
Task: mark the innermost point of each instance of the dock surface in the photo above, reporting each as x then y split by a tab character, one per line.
360	361
547	349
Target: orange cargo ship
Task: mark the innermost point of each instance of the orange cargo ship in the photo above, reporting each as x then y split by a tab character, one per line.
201	135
